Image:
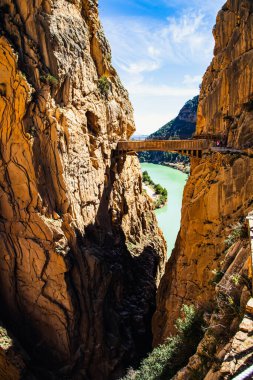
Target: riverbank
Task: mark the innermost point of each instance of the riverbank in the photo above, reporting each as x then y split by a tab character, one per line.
150	191
158	194
184	168
152	194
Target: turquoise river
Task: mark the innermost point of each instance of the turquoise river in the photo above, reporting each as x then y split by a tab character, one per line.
169	216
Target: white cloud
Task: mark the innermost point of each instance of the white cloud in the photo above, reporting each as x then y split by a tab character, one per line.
192	79
161	90
189	36
147	123
184	27
140	67
144	46
209	7
161	62
153	51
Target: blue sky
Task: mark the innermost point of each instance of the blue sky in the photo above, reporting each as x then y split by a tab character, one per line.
161	50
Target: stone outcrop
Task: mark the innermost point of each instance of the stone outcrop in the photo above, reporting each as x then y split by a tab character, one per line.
80	253
209	265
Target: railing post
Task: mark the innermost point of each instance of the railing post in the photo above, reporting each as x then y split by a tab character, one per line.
250	225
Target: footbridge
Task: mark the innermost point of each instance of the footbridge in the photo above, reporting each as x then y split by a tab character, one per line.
193	148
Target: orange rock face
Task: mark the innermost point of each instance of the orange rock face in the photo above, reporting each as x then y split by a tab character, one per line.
227	88
208	268
79	262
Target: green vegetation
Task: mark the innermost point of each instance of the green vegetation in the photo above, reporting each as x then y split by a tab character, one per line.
147	179
162	363
182	127
50	79
236	277
159	190
239	231
219	274
104	85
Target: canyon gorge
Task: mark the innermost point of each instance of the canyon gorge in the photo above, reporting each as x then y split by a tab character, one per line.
85	290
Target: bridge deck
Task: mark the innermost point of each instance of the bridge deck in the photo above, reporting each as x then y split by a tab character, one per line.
165	145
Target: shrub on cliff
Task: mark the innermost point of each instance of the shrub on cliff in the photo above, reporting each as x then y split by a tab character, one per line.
160	363
154	365
50	79
239	231
104	85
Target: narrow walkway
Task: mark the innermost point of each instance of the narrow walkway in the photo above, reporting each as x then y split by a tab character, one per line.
192	148
164	145
226	150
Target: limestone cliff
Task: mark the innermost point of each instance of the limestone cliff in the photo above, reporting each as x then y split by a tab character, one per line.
209	265
79	262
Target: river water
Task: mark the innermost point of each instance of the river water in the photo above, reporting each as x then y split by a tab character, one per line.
169	216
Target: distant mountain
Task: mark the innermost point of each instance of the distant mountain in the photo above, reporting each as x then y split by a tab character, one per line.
182	127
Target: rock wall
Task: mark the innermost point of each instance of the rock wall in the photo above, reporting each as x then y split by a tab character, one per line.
79	262
209	265
226	100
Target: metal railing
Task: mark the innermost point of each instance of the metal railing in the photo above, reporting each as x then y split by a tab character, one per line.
245	374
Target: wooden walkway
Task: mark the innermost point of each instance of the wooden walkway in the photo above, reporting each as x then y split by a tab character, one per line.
228	150
186	147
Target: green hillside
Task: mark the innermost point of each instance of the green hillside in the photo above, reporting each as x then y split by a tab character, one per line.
182	127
